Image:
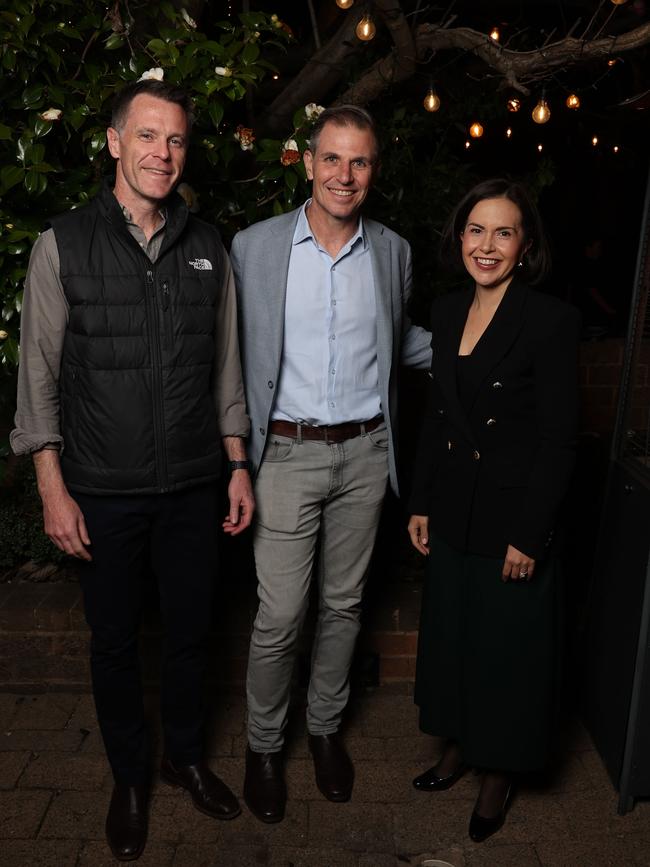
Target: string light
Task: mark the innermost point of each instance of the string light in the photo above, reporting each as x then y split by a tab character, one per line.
514	104
431	100
366	29
573	101
275	76
541	113
508	133
540	147
344	4
476	130
594	140
612	62
494	34
467	145
615	149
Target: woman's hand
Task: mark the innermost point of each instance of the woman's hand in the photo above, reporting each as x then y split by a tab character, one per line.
517	566
419	533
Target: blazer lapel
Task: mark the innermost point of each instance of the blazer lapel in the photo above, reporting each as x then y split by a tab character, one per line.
445	357
499	336
274	282
380	258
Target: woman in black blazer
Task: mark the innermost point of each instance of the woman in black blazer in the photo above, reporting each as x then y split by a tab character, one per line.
494	461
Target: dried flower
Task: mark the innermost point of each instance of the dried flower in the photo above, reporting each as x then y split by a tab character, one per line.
3	335
245	137
155	73
225	71
188	19
290	153
190	196
51	114
313	111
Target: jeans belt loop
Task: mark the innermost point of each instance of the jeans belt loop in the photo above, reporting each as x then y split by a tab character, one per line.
298	433
362	429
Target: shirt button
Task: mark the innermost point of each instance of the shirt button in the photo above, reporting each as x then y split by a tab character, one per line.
270	383
491	421
262	431
497	385
333	337
334	302
332	371
332	404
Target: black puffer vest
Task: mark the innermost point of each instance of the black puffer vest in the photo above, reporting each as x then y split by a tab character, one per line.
137	411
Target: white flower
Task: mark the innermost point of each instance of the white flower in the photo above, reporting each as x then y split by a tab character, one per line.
313	111
51	114
3	335
155	73
225	71
188	19
274	18
290	145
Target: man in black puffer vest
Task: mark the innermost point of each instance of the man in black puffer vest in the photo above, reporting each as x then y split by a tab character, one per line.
129	384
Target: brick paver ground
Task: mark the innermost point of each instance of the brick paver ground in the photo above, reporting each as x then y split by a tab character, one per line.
55	786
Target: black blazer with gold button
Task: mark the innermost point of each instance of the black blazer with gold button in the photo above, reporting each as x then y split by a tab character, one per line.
497	473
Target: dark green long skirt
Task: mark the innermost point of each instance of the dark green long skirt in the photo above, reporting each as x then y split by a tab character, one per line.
488	660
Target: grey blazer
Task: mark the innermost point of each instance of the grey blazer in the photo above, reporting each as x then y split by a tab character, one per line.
260	259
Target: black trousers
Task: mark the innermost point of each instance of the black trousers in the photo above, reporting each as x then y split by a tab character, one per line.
174	535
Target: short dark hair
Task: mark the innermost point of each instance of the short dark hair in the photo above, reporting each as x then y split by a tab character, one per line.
536	263
344	115
151	86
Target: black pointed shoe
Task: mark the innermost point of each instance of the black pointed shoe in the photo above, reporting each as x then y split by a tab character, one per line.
429	781
126	822
265	791
481	828
209	794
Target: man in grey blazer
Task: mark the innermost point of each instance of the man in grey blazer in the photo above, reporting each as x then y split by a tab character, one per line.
322	297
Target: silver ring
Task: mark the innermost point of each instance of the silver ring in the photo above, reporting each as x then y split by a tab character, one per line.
523	574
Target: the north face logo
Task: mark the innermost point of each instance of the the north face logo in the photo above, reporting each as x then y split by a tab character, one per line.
201	264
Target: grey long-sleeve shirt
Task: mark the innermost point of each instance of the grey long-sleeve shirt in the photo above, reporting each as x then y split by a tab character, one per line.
44	319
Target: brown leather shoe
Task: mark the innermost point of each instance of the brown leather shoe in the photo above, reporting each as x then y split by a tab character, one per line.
265	790
334	770
126	822
209	794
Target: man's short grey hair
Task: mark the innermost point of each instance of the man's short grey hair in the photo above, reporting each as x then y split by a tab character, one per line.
344	115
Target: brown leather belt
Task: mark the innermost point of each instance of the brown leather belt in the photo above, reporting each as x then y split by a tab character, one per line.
329	433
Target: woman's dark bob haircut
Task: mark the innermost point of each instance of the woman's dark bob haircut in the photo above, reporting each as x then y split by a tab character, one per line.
537	259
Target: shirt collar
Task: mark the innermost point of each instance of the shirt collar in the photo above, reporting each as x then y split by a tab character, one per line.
129	219
303	230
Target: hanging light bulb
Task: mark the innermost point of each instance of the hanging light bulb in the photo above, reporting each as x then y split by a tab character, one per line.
494	34
366	29
541	113
344	4
573	101
612	62
467	145
476	130
508	133
616	149
514	103
540	147
431	100
594	140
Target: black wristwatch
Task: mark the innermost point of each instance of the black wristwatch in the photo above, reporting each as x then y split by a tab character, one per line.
238	465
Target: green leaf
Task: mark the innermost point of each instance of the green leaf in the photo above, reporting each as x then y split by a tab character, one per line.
5	132
10	176
157	46
42	127
115	40
299	118
32	95
216	112
277	208
250	53
31	181
291	180
97	142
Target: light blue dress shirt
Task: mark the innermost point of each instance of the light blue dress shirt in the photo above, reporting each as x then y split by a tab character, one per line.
329	369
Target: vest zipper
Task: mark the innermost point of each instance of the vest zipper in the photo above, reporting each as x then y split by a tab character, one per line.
159	425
